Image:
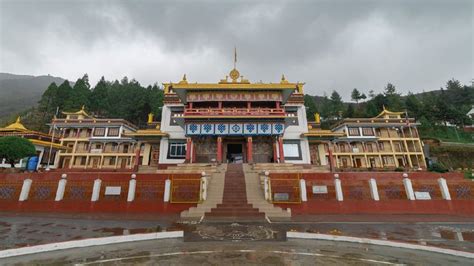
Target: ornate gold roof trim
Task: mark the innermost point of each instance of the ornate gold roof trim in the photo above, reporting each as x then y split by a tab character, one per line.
15	126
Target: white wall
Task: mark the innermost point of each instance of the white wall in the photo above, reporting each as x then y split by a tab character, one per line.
175	132
295	132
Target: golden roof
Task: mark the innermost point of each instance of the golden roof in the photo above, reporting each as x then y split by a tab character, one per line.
387	112
17	126
80	112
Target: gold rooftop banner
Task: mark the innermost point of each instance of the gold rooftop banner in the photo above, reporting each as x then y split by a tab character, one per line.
233	96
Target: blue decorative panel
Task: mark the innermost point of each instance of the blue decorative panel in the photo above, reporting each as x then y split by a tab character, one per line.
236	129
207	129
221	129
250	129
278	129
193	129
264	129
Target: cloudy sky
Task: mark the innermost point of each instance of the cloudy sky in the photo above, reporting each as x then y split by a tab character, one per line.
416	45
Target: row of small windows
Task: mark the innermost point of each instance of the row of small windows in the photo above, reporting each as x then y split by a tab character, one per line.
366	131
100	132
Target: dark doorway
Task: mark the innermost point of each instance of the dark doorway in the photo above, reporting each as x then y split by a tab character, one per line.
234	153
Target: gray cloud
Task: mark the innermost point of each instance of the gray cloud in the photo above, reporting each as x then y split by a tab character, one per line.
417	45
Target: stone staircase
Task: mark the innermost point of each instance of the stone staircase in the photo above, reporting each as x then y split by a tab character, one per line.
214	196
234	204
255	196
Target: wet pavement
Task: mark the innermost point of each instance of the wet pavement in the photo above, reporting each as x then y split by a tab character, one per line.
290	252
213	241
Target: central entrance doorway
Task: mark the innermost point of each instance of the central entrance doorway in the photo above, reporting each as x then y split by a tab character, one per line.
235	153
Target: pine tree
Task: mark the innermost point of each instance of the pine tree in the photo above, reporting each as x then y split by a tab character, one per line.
98	98
311	108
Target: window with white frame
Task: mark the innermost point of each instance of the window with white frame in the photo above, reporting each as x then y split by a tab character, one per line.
176	150
292	150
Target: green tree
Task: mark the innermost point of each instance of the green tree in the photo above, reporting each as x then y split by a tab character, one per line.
337	106
98	98
47	105
311	108
393	98
357	96
80	94
63	95
413	105
350	112
14	148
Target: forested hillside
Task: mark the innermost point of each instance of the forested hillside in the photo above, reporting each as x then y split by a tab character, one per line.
20	92
125	99
439	112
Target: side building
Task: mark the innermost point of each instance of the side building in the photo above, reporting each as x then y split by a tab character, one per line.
386	141
44	144
95	143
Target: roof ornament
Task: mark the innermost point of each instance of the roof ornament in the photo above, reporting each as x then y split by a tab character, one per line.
234	73
184	80
283	79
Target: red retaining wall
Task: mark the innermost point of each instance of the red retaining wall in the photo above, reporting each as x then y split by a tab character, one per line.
148	196
454	207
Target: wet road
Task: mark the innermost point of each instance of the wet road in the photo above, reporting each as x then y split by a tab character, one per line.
19	231
234	243
290	252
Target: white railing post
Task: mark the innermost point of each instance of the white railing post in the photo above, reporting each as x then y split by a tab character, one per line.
203	186
338	186
374	191
61	188
166	196
408	187
96	190
304	196
132	186
25	189
443	186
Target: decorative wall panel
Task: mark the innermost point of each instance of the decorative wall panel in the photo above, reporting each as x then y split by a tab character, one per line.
235	129
234	96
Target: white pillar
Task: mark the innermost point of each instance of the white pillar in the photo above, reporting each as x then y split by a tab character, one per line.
203	188
132	185
443	186
25	189
338	186
166	197
266	188
96	190
61	188
374	191
304	196
408	188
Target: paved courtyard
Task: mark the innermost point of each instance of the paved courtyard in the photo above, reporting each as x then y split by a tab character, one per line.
254	243
290	252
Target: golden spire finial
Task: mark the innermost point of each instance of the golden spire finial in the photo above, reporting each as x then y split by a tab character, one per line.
283	79
18	119
184	77
235	57
383	106
83	108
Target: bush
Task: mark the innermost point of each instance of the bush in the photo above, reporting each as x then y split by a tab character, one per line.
399	169
436	167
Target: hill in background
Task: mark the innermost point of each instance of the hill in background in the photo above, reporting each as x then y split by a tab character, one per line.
21	92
